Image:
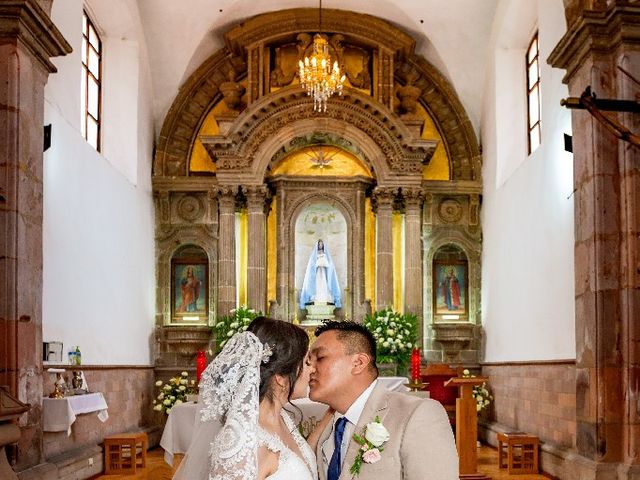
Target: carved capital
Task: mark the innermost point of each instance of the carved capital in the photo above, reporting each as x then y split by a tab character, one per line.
163	205
258	197
413	198
383	198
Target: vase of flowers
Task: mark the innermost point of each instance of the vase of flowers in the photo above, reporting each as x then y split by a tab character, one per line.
396	335
173	392
480	393
237	321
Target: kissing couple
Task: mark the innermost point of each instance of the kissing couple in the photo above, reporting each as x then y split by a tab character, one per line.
246	430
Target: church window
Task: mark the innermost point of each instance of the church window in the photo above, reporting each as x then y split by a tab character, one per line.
91	91
533	94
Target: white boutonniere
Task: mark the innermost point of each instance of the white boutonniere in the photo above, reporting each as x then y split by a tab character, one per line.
371	445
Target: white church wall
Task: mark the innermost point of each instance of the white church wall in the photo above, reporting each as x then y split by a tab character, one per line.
527	213
99	278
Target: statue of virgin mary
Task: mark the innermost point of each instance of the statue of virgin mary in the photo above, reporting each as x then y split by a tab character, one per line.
320	285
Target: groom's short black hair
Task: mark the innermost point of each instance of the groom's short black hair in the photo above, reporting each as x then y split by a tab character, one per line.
356	337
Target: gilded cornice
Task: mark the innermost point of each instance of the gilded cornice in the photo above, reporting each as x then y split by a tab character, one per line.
596	32
26	22
273	26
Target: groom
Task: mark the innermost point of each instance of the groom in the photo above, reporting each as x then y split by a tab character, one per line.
420	443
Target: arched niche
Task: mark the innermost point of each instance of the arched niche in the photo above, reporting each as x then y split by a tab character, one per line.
453	334
294	195
189	285
320	221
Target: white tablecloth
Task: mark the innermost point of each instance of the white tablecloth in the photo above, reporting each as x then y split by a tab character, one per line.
60	413
180	425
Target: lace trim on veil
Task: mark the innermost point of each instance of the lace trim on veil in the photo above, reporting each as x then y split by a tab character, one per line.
229	392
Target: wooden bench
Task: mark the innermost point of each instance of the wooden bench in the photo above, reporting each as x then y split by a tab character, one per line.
518	452
124	452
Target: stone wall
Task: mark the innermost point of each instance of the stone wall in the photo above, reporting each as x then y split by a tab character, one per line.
538	398
128	391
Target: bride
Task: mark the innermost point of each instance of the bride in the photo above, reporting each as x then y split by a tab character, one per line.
244	431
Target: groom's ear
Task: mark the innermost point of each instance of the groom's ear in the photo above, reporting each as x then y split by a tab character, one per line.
360	363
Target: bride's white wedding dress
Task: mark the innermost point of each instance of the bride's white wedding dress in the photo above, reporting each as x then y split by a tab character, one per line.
290	465
227	433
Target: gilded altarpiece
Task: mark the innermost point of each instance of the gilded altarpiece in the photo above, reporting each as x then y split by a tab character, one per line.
227	145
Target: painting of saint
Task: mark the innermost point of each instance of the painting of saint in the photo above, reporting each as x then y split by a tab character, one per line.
450	289
189	289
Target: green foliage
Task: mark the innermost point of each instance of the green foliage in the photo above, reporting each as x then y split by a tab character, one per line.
229	325
395	333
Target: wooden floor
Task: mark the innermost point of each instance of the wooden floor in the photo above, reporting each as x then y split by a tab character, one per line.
157	469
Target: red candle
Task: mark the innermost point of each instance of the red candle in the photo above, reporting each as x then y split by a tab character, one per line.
415	364
201	364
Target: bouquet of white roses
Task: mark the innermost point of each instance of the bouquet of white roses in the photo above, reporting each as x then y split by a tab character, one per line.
395	334
229	325
480	393
174	392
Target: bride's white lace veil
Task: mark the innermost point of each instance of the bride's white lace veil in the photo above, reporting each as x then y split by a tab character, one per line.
229	406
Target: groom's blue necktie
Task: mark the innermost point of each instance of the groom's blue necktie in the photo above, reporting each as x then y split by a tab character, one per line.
335	465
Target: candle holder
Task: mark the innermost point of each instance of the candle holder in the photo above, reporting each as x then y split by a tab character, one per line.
59	385
415	385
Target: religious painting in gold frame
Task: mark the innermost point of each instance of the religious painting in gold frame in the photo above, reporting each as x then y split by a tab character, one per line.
450	289
190	287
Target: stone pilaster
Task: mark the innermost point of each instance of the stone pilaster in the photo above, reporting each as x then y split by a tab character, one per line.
383	198
413	200
607	228
226	249
28	39
257	198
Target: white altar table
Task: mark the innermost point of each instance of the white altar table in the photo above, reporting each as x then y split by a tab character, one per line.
60	413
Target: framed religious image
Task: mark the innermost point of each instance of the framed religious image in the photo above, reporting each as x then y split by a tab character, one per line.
450	292
189	292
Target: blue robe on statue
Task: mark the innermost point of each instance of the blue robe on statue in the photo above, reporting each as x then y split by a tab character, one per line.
309	285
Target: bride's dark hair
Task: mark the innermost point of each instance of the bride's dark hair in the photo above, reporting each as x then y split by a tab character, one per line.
289	344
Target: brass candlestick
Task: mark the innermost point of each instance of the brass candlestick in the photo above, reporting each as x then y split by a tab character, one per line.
416	385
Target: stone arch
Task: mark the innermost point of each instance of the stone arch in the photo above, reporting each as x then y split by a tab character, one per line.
202	90
275	119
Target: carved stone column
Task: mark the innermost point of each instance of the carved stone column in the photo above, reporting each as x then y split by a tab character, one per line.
257	196
28	39
226	249
383	198
607	250
413	199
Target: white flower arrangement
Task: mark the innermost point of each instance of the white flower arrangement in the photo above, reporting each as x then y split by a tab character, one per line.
480	393
229	325
395	334
174	392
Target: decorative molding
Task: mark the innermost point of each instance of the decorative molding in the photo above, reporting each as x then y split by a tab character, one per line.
274	113
26	22
596	32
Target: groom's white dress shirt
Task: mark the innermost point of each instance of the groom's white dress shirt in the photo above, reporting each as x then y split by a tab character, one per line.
353	416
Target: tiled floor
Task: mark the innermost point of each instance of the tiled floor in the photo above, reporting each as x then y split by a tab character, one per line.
157	469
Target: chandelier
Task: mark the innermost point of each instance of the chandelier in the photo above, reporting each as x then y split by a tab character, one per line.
317	76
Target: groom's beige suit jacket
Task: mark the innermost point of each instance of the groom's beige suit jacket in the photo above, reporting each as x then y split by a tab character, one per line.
420	447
